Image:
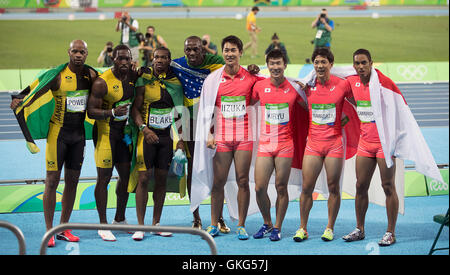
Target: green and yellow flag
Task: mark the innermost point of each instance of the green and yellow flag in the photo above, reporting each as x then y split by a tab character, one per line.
37	107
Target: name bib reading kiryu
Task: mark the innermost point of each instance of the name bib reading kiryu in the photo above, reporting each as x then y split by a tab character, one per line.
277	114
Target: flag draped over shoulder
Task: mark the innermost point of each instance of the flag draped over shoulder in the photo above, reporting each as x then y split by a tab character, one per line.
174	88
202	172
37	108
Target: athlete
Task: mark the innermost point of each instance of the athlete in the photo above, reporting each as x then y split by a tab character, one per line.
154	110
324	146
370	154
109	105
66	134
232	137
277	99
192	69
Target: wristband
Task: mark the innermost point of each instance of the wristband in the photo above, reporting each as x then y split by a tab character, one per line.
112	112
142	127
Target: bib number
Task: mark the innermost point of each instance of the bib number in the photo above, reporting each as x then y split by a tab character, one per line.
76	101
364	110
125	116
277	114
160	118
233	106
323	114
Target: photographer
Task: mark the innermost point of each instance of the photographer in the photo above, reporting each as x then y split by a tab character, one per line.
106	55
209	46
149	43
324	27
277	44
128	28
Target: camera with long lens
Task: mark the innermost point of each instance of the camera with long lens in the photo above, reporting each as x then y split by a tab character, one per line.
124	18
109	49
204	42
323	15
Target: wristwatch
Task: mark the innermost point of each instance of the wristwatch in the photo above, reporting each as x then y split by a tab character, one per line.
142	127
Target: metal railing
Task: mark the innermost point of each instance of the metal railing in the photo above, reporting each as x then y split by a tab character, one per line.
127	227
18	233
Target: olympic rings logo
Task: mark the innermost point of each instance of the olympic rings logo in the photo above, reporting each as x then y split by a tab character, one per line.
412	72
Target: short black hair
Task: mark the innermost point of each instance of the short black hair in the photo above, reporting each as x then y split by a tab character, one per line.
364	52
274	54
164	49
233	40
255	8
325	52
120	47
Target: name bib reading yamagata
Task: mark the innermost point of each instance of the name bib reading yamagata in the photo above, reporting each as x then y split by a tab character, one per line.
323	114
233	106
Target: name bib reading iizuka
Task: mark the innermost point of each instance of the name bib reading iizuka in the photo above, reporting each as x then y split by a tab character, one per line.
323	114
160	118
125	116
364	110
277	114
76	101
233	106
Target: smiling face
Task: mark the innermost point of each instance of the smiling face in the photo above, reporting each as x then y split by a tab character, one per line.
231	54
194	51
322	67
276	67
362	66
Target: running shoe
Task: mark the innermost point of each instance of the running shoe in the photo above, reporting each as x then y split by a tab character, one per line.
265	229
223	228
328	235
122	222
162	234
66	235
197	224
300	235
355	235
51	242
387	240
106	235
276	235
212	230
242	234
138	235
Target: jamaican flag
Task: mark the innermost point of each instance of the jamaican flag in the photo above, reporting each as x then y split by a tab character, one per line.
173	86
37	107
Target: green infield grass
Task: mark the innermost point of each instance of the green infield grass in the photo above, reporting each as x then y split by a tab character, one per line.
42	44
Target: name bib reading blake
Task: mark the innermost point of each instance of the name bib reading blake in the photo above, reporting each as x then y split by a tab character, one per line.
277	114
323	114
233	106
160	118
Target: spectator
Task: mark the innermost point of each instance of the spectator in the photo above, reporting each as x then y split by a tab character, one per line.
128	28
209	46
324	27
106	55
252	31
276	44
149	44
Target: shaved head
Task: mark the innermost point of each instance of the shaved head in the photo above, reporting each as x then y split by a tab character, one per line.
74	42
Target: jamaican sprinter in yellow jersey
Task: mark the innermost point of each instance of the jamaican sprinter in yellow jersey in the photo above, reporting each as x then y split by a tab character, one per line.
109	104
158	94
108	133
157	113
66	135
